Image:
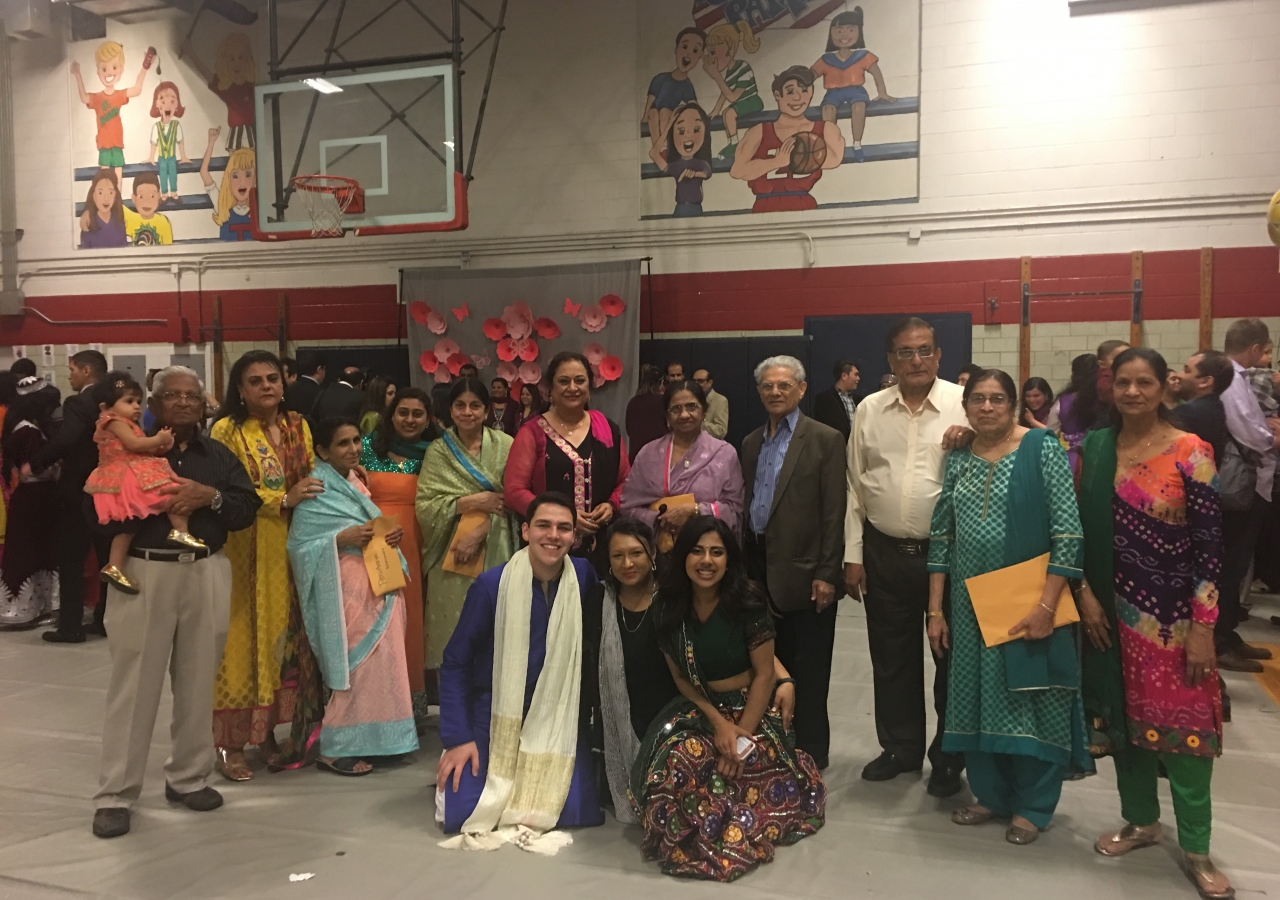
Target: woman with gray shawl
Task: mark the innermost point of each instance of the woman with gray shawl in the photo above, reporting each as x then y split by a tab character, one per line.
621	649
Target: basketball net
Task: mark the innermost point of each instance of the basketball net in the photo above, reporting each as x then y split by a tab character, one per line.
326	198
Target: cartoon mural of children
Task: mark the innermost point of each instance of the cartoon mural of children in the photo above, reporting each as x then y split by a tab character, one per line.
234	200
669	90
143	226
739	94
106	103
232	79
843	69
168	145
767	156
687	157
105	227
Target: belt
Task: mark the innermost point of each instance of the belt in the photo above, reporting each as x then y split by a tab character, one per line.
905	546
180	556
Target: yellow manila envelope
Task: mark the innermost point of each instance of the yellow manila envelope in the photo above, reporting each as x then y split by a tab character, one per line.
666	540
1002	599
466	524
383	562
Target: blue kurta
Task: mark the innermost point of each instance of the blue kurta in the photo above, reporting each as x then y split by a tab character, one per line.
466	697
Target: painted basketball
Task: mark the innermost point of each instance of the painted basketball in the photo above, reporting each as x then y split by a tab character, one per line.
1273	218
808	153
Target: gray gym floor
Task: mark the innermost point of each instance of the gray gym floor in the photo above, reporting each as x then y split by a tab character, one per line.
374	836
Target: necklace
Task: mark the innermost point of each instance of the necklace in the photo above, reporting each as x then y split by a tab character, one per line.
570	428
1008	437
1132	454
642	615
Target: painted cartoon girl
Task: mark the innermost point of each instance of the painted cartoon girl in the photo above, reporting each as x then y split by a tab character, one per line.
235	200
232	79
168	144
843	70
106	213
688	147
739	94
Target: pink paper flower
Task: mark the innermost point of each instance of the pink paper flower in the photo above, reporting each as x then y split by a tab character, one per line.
419	311
442	376
445	348
594	353
508	371
428	361
456	362
436	323
547	329
482	362
507	350
530	373
611	368
594	319
495	329
613	305
519	320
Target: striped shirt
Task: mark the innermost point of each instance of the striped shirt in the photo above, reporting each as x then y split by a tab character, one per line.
740	77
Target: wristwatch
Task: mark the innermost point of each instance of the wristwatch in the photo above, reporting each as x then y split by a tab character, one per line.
216	503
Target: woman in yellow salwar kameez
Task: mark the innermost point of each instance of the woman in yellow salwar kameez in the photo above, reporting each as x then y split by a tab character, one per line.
275	448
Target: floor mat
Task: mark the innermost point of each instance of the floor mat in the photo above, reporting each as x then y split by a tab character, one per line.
1269	677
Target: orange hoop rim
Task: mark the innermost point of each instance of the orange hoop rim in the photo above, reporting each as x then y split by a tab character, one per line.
311	183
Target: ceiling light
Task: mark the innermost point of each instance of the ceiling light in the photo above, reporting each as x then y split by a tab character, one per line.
322	85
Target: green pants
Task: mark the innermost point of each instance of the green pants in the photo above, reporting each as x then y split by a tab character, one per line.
1014	785
1137	770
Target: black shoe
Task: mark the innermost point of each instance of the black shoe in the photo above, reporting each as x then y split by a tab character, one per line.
1248	651
203	800
66	637
111	822
886	767
822	763
96	629
1233	661
944	781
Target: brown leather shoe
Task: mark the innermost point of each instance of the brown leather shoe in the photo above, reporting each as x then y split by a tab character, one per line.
971	815
1021	836
1128	839
1210	882
1248	651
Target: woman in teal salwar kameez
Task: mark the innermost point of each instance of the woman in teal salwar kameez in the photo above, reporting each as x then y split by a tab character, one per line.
1015	709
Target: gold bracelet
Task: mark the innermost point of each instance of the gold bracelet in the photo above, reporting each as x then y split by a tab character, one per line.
1050	610
934	613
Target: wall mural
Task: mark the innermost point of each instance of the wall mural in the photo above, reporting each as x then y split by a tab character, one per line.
777	105
163	142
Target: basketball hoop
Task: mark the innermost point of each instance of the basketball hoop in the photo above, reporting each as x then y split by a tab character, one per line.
328	199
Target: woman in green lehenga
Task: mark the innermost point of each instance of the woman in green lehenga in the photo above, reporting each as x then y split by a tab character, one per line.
461	474
1015	709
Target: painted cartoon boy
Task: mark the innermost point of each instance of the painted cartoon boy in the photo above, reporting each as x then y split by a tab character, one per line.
143	225
107	102
764	159
670	90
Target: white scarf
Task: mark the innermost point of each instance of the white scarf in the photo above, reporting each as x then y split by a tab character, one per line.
530	758
621	746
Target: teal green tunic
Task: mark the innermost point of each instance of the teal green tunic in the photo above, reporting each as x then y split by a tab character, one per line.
968	538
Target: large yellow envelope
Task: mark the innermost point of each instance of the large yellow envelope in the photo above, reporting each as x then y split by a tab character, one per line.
666	540
466	524
1002	599
381	561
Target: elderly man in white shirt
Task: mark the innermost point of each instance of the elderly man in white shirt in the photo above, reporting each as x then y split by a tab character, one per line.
896	463
1246	345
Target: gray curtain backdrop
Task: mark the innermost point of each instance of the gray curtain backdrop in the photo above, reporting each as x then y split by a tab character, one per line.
486	292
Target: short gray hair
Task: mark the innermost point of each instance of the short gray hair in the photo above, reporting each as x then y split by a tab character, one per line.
781	362
158	383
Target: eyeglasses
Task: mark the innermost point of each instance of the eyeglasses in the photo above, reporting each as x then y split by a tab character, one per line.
780	387
905	353
690	408
181	397
997	401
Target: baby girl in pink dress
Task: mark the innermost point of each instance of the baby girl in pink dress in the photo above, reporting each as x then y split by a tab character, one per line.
132	472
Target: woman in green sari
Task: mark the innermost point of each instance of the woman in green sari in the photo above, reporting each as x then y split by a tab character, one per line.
461	482
1014	709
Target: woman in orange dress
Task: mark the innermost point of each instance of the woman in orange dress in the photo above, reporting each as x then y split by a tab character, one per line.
392	455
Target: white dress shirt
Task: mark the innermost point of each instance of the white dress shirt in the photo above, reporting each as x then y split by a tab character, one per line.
896	463
1249	428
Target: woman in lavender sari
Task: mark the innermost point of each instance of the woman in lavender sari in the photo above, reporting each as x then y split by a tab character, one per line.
688	461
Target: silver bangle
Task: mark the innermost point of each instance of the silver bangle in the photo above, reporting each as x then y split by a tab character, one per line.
1048	609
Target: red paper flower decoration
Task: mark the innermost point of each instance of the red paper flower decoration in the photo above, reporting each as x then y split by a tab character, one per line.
594	319
611	368
613	305
445	348
436	323
508	371
594	353
571	308
428	361
530	373
419	311
527	349
495	329
456	362
547	329
442	376
506	350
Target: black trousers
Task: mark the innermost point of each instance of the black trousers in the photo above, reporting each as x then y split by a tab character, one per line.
75	537
1266	559
1240	532
897	598
805	641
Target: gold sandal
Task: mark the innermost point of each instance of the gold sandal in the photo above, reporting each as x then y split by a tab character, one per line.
113	575
1128	839
233	768
1209	881
971	815
183	539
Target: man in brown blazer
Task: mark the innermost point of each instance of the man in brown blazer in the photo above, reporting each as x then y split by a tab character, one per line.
794	538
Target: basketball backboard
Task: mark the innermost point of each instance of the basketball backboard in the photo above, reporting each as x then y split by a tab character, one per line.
392	131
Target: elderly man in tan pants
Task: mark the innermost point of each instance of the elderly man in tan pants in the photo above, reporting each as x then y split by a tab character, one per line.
177	622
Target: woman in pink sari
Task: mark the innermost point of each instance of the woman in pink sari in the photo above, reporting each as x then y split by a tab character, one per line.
688	462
